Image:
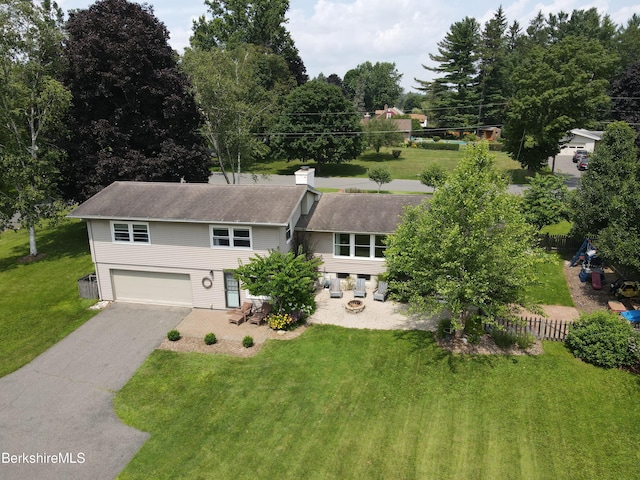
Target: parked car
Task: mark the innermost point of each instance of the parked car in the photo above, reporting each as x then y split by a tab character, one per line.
579	155
583	163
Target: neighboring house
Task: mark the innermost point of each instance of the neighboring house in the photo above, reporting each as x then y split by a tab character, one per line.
178	243
490	134
404	124
581	139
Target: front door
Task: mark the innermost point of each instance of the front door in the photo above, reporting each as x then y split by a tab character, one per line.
232	290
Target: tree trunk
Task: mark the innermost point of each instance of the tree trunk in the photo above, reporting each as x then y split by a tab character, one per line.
33	250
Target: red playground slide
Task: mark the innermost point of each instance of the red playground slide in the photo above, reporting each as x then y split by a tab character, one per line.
596	281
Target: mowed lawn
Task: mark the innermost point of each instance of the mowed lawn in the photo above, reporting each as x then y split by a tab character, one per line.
548	284
356	404
408	166
39	302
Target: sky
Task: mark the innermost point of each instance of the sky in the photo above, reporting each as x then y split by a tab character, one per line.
336	36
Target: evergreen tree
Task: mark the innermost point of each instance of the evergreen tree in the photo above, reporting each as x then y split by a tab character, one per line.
133	117
628	42
493	70
454	95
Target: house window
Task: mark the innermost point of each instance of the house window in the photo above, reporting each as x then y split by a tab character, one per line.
287	232
342	245
358	245
130	232
230	237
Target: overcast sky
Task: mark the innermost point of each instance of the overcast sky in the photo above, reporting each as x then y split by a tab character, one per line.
336	36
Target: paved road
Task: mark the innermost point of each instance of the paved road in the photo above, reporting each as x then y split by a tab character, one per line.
564	164
62	402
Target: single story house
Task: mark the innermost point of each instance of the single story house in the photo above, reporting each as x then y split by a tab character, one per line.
179	243
580	139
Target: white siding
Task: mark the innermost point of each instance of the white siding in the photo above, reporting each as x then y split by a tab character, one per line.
177	248
323	246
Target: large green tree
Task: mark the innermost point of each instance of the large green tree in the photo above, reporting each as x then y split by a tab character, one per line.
557	88
238	91
318	123
133	116
607	199
372	86
546	201
287	278
380	132
625	97
628	42
469	247
32	105
261	23
453	94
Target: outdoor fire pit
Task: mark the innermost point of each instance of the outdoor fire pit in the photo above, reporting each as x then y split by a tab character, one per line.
354	306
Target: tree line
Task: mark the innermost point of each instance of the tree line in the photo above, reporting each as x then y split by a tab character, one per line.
102	96
563	71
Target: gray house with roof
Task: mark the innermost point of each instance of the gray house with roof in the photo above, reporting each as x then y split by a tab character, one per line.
178	243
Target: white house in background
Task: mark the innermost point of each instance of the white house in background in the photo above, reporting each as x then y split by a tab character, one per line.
581	139
178	243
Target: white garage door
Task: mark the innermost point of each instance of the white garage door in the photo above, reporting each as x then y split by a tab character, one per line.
152	287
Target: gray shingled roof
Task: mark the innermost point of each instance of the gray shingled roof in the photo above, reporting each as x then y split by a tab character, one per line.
193	202
357	212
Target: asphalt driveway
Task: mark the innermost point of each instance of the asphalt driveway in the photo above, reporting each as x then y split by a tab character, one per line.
59	407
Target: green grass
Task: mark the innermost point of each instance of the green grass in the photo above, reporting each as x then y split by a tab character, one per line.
548	286
358	404
408	166
39	303
562	228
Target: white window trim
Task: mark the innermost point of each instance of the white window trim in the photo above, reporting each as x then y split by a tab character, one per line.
352	246
230	229
130	227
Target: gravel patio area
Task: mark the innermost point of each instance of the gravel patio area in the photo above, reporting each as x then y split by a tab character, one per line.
388	315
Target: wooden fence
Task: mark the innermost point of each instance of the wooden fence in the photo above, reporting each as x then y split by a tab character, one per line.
88	286
561	243
541	328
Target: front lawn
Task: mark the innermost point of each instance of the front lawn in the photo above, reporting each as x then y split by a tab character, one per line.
358	404
408	166
39	303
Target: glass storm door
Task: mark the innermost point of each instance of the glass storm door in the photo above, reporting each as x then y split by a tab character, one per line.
232	290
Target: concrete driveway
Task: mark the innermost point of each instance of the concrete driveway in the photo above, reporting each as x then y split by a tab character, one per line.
59	407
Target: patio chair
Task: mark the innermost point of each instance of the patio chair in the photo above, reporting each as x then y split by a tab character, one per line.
381	292
241	314
335	290
258	317
360	289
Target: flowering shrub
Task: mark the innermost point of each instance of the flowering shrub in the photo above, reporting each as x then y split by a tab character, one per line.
280	321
